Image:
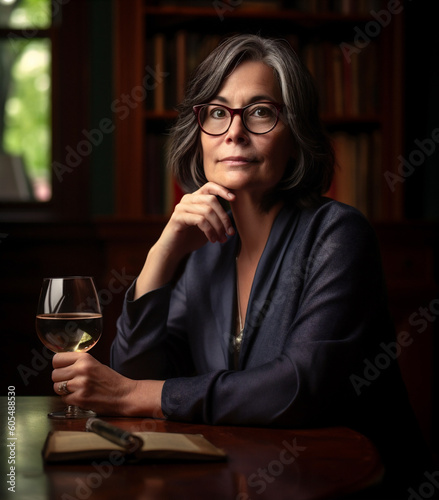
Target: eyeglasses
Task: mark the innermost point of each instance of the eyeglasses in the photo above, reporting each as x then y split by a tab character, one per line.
257	118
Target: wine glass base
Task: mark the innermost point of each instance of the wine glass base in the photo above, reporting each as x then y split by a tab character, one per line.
71	413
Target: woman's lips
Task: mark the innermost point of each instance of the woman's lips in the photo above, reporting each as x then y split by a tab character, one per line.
237	160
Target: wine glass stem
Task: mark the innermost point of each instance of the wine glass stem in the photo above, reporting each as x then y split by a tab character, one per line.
71	410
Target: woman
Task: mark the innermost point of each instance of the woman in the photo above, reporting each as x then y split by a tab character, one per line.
264	314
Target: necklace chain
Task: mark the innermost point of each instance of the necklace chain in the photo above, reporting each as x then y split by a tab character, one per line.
238	336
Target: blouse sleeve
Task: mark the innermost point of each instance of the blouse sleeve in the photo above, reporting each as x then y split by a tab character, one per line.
340	318
144	348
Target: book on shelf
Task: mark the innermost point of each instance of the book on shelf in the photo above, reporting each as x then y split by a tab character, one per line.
346	88
358	180
65	446
159	50
181	73
162	192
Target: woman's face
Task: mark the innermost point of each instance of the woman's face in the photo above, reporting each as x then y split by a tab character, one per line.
238	159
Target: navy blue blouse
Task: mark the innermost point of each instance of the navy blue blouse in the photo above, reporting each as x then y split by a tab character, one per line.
317	318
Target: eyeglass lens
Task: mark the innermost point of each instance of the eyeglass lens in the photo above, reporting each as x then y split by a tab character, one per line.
258	118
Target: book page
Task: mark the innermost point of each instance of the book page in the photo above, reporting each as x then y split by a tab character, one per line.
75	441
167	441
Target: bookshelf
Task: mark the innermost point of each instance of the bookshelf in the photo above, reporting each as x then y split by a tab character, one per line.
353	49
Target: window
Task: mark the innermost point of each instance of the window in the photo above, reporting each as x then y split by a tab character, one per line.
25	100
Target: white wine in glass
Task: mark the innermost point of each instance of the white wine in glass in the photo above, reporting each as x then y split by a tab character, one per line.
69	319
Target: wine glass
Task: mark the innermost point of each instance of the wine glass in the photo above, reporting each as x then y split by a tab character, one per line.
69	319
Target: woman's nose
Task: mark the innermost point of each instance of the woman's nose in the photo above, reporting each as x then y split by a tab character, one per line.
237	131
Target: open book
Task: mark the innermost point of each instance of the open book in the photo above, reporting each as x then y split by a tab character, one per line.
76	445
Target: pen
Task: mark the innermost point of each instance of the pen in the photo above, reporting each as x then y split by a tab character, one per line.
114	434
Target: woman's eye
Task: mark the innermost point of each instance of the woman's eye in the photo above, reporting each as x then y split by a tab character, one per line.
262	112
218	113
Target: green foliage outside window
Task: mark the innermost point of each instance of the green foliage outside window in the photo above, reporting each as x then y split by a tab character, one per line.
28	13
25	89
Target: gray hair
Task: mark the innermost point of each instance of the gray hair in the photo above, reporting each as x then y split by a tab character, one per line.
309	175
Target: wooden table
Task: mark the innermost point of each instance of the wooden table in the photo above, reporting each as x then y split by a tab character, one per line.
262	463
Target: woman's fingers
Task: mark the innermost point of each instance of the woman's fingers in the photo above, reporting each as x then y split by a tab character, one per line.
68	365
205	212
202	209
216	190
65	359
63	364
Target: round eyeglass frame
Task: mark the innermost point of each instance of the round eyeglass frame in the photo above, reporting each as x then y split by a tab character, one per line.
237	111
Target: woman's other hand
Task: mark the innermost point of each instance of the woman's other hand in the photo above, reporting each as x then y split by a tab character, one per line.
95	386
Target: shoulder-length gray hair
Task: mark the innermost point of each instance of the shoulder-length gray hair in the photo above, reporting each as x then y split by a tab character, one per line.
309	175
